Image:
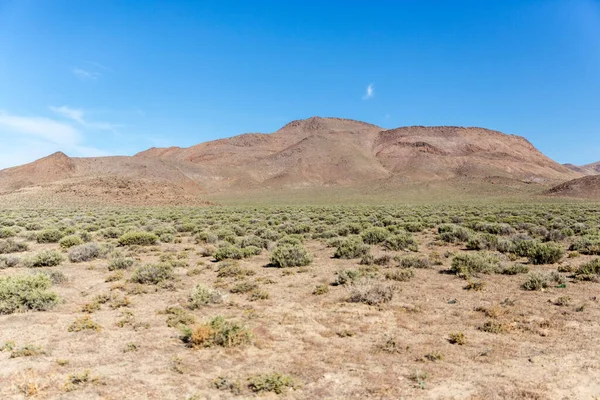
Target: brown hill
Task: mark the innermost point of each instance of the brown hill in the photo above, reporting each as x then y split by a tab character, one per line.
588	169
587	187
312	153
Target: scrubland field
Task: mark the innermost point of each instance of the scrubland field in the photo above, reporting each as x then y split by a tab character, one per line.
451	302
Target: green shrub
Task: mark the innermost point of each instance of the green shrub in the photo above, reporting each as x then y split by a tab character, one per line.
45	258
484	241
217	332
589	271
351	248
465	265
588	244
11	246
453	233
400	241
26	292
6	233
275	383
84	252
290	255
49	236
400	275
70	241
545	253
414	262
119	263
346	276
84	323
138	238
152	274
202	296
375	235
536	281
513	269
250	251
228	252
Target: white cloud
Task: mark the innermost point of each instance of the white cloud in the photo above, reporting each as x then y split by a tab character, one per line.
370	92
43	128
25	138
71	113
86	75
78	116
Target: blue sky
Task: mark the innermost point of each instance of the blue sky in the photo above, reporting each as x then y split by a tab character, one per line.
116	77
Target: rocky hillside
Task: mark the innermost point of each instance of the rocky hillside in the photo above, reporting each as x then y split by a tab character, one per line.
312	153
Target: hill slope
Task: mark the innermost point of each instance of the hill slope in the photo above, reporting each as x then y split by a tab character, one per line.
588	169
587	187
312	153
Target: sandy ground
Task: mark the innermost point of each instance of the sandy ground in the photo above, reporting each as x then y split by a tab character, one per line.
331	348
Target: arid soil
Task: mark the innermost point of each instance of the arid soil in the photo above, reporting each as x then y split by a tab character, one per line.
331	348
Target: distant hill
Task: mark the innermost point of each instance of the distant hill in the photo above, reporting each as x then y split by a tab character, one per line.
587	187
588	169
312	153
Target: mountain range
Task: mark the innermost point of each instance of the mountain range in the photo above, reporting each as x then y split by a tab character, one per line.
315	153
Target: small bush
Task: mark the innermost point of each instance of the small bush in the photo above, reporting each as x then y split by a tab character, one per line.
138	238
217	332
57	277
375	235
84	252
26	292
536	281
589	271
244	287
179	318
588	244
9	262
84	323
457	338
228	252
414	262
70	241
401	275
152	274
321	289
370	293
49	236
400	241
120	263
28	350
275	383
485	241
545	253
45	258
346	276
6	233
351	248
453	233
11	246
231	269
202	296
513	269
290	255
465	265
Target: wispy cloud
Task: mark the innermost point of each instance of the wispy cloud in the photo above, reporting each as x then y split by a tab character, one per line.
78	116
27	138
370	92
42	128
86	75
98	65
